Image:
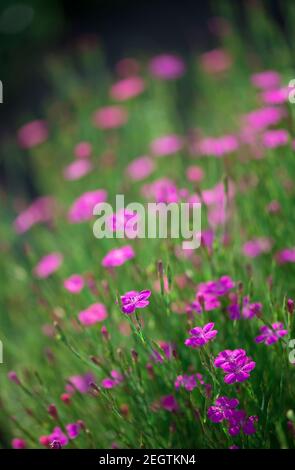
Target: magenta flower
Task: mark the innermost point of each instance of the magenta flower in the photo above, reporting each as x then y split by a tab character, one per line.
167	349
73	430
271	335
223	409
127	88
113	381
74	283
217	146
189	382
162	190
169	403
77	169
118	256
256	247
140	168
194	174
166	145
201	336
239	421
58	438
235	364
82	208
17	443
41	210
250	310
204	302
32	134
95	313
266	79
83	150
167	67
216	61
262	118
81	383
13	377
286	255
217	288
48	265
110	117
133	300
290	305
277	96
275	138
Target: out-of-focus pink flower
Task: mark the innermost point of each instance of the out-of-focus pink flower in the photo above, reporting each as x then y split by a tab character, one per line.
256	247
48	265
266	80
271	335
161	190
113	381
110	117
41	210
215	61
127	67
17	443
275	138
194	174
262	118
95	313
127	88
81	383
73	430
140	168
77	169
118	256
58	438
167	67
286	255
273	207
124	220
83	150
32	134
166	145
82	208
277	96
217	146
74	283
216	195
169	403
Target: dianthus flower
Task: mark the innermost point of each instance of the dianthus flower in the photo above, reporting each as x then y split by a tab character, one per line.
236	365
201	336
271	335
133	300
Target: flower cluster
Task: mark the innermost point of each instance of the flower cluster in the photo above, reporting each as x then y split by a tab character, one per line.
225	409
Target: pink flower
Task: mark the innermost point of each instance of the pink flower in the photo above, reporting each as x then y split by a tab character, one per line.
17	443
127	88
41	210
113	381
83	150
166	145
223	409
74	283
286	256
266	79
271	335
216	61
57	437
236	365
256	247
81	382
48	265
110	117
275	138
82	208
77	169
204	302
201	336
95	313
260	119
118	256
194	174
32	134
169	403
277	96
133	300
167	67
73	430
217	146
162	190
140	168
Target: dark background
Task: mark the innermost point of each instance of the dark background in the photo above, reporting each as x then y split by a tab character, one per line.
123	27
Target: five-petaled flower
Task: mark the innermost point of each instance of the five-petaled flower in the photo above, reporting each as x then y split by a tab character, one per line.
133	300
271	335
200	336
